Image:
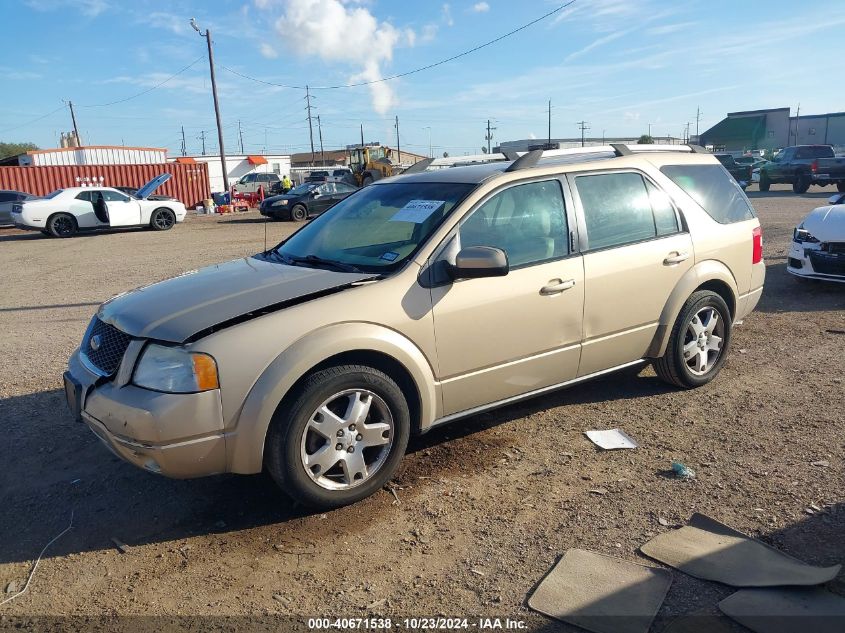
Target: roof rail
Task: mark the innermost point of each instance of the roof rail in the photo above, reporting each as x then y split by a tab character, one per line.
420	165
620	149
697	149
526	160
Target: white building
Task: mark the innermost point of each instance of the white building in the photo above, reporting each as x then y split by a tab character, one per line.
238	166
93	155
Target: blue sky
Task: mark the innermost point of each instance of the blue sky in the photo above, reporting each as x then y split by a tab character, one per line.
618	64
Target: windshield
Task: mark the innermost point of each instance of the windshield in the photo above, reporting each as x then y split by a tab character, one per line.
378	228
300	189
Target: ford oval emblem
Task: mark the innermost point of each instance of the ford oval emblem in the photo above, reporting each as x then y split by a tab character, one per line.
95	342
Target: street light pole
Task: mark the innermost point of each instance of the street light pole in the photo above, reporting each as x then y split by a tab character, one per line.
207	36
428	127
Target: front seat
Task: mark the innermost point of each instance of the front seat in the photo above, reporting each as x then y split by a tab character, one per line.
101	209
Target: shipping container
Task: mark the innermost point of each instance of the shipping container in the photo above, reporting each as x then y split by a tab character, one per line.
189	183
93	155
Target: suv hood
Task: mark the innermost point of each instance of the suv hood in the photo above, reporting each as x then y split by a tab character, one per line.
827	224
177	309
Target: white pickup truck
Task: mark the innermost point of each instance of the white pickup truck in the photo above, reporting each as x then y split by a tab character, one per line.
66	211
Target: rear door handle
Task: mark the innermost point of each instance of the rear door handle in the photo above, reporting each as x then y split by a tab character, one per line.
556	286
675	258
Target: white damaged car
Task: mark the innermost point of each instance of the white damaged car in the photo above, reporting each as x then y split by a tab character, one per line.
66	211
818	243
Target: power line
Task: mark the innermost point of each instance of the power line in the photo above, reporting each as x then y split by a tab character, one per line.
43	116
415	70
143	92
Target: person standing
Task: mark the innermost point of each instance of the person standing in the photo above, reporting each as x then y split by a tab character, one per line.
286	184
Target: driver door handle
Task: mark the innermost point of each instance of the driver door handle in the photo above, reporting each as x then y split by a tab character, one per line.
556	286
675	258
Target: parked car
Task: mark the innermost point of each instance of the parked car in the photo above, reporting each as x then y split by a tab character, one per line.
250	183
133	191
66	211
305	201
319	175
418	300
740	173
342	174
7	200
802	166
818	243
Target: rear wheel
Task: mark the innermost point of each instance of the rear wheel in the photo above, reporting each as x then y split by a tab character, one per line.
840	186
162	219
62	225
698	343
801	184
340	438
765	183
299	213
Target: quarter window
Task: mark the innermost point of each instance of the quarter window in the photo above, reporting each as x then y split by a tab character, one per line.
526	221
84	195
618	209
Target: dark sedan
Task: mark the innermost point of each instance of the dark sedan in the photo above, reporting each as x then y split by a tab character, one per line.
305	201
741	173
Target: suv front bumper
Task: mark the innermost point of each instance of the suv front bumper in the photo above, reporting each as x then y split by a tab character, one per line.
176	435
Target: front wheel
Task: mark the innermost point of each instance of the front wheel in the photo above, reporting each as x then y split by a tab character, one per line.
340	438
698	343
162	220
299	213
764	183
62	225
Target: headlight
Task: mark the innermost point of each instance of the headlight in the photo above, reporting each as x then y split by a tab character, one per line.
801	235
279	203
174	370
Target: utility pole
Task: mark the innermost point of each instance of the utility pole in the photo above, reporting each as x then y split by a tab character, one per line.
487	138
398	151
649	130
550	125
583	125
310	128
320	131
797	121
184	146
602	136
202	138
240	137
76	129
428	127
207	36
697	119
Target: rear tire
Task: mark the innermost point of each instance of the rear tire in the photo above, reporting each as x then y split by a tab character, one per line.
299	213
840	186
764	183
62	225
801	184
697	346
162	219
366	415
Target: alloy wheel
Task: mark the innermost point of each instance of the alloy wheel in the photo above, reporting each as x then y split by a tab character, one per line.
163	220
63	225
347	439
703	340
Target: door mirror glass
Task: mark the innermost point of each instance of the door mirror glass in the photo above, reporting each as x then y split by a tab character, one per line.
474	262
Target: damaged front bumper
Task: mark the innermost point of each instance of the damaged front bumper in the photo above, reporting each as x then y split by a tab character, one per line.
176	435
817	260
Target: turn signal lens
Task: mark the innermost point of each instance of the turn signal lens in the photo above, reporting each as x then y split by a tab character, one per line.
205	371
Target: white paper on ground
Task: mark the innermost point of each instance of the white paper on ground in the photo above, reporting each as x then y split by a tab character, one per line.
611	439
417	211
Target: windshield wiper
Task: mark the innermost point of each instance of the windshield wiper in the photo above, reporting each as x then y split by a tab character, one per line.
322	261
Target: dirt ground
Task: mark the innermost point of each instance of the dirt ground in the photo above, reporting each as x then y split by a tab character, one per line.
486	506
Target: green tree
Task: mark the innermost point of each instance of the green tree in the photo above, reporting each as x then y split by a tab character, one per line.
645	139
13	149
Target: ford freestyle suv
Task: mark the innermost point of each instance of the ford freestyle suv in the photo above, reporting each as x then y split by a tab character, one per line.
397	310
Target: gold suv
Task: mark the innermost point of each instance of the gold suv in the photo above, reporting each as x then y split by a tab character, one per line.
418	300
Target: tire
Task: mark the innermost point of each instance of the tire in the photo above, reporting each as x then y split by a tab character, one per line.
840	186
62	225
162	219
674	367
801	184
293	436
764	183
367	180
299	213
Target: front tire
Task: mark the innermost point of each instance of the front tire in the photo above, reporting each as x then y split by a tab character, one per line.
62	225
764	183
698	343
299	213
339	438
162	220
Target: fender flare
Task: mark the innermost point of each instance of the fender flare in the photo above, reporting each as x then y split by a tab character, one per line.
245	444
700	274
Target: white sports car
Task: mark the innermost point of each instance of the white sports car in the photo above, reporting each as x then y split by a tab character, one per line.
818	243
66	211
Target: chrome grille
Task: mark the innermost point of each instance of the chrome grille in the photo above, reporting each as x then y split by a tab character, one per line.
104	346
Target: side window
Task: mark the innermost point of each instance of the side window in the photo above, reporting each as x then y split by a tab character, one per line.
665	218
527	221
7	197
114	196
803	152
617	209
712	188
84	195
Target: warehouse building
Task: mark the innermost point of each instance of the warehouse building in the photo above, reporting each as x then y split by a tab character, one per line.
773	129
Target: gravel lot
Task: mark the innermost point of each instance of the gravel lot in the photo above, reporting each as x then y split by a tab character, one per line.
487	505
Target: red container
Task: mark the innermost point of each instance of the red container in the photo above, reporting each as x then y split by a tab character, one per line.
189	183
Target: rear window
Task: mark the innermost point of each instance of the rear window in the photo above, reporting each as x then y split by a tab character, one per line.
714	189
814	151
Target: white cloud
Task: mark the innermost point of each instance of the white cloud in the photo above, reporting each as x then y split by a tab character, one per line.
446	12
429	32
632	116
268	51
89	8
346	32
667	29
480	7
168	21
596	44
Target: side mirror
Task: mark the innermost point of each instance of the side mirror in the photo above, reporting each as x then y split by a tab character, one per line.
474	262
837	198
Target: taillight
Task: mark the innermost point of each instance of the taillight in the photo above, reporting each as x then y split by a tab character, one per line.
757	245
814	166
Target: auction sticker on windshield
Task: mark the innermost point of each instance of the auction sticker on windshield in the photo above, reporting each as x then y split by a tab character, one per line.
417	211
